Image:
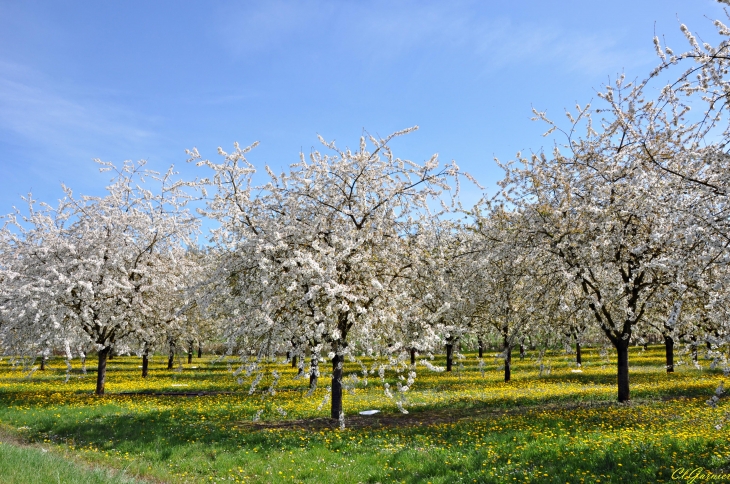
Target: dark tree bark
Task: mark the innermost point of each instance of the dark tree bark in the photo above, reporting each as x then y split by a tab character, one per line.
449	356
622	348
337	363
171	358
191	348
294	361
522	351
200	350
669	352
145	363
621	343
578	358
619	338
413	356
101	370
43	362
507	361
481	347
314	361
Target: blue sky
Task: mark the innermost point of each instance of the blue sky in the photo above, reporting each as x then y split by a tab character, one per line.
146	80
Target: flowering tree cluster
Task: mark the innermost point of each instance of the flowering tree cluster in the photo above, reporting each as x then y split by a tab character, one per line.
620	232
97	272
320	255
633	212
518	289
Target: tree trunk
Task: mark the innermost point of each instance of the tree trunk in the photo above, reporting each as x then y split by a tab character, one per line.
171	358
200	350
449	356
669	352
101	370
145	363
578	358
622	349
191	348
43	362
508	363
313	376
522	351
413	356
337	363
294	361
481	347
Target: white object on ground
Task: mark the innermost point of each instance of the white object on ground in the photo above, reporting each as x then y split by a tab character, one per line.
369	412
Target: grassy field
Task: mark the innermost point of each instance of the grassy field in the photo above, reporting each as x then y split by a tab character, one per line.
467	426
20	464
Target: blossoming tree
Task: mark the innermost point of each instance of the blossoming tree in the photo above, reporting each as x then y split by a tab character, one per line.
591	206
321	248
99	270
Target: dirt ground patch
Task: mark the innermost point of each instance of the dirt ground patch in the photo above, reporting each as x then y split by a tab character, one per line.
174	394
430	417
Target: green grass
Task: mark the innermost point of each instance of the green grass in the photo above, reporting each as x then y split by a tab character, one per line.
22	465
462	427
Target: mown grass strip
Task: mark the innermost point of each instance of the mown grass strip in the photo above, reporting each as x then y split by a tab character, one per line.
33	465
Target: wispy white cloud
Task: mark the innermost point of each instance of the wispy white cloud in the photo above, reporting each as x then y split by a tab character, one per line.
508	43
50	136
384	32
31	108
247	28
37	114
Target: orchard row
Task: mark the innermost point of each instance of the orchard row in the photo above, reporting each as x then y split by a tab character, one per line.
619	234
